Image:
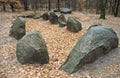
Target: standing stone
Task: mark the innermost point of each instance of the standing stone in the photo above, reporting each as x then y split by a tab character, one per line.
32	49
73	24
53	18
18	28
45	16
98	41
62	20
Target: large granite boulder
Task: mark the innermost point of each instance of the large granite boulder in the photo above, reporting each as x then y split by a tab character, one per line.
62	20
73	24
45	16
98	41
32	49
66	10
18	28
53	18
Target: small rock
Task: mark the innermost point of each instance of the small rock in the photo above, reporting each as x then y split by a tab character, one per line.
27	16
36	17
23	16
30	16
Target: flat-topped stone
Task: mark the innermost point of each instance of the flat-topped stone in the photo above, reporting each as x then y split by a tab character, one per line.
66	10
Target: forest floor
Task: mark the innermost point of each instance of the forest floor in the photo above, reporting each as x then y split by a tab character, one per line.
59	42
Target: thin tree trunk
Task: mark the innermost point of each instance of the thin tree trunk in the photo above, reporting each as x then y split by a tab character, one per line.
4	8
36	4
102	14
12	7
117	7
25	5
102	9
33	6
97	7
59	5
49	5
74	2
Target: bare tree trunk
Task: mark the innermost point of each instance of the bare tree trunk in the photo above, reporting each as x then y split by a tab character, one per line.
74	2
102	14
58	5
68	3
116	8
36	4
12	7
32	2
4	8
25	2
98	7
102	9
49	5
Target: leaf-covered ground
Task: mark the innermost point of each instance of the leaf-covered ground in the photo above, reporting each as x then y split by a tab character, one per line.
59	42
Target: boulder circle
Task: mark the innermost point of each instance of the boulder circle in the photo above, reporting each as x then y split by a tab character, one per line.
98	41
32	49
18	28
73	24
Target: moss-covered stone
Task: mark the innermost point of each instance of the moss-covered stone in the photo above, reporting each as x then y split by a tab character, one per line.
73	24
98	41
32	49
53	18
18	28
45	16
62	20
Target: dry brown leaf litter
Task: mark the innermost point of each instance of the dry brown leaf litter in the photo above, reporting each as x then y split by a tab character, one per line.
59	42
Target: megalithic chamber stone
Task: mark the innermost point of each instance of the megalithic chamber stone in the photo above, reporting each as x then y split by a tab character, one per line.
98	41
